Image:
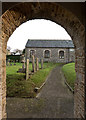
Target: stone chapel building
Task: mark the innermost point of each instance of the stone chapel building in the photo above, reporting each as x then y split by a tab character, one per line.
51	50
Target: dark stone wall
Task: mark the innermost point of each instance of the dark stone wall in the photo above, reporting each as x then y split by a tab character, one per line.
54	54
77	8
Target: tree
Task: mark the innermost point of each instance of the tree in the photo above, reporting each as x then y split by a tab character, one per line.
8	48
23	51
15	51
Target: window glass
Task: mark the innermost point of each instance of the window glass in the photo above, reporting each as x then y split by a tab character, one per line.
61	54
47	54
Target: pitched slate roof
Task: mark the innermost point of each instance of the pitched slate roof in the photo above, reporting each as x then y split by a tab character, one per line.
49	43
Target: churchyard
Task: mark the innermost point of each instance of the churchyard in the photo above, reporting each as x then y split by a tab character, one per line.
35	85
19	86
25	84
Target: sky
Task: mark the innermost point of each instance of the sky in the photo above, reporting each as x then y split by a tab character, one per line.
36	29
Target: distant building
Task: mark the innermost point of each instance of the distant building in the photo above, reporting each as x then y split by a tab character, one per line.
51	50
16	52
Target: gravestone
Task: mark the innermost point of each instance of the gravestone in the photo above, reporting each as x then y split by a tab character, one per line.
41	63
23	66
37	64
33	63
8	63
27	69
14	63
24	63
16	60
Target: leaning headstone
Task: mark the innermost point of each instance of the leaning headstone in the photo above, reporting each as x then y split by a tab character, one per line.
33	63
37	64
23	66
41	63
27	69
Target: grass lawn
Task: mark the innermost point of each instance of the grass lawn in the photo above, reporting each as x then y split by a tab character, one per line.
69	72
17	86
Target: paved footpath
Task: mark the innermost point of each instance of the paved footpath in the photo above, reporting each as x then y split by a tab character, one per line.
54	101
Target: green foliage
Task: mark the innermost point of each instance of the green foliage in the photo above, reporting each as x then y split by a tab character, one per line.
23	51
17	86
13	57
69	72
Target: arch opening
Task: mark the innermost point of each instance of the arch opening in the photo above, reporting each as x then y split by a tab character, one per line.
47	52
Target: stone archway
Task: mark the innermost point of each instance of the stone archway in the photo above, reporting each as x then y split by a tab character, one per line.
22	12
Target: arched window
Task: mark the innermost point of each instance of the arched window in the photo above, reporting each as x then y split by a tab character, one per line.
47	54
32	52
61	54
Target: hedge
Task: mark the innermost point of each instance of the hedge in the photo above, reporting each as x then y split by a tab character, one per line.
13	57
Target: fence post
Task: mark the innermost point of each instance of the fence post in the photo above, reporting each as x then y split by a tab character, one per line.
37	64
33	63
27	69
41	63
